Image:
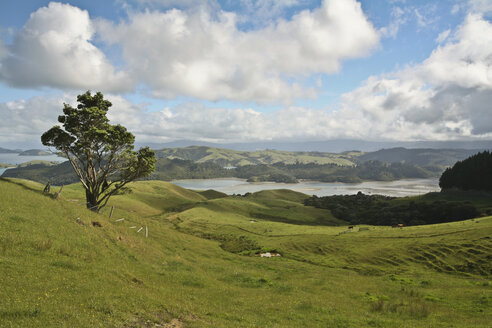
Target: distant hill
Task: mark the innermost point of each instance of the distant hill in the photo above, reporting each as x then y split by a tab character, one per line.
170	169
200	162
8	151
420	157
228	157
43	171
166	169
35	152
330	146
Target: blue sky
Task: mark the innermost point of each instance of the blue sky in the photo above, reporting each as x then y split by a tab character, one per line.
252	70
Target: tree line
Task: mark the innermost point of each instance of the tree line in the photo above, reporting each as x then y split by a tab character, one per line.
473	173
383	210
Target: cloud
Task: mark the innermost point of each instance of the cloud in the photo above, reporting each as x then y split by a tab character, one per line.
166	4
190	121
200	52
195	54
426	15
399	17
480	6
23	121
54	49
444	97
443	36
262	12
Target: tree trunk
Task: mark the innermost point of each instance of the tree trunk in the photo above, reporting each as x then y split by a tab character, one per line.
91	199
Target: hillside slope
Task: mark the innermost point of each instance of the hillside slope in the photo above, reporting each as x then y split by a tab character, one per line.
228	157
58	269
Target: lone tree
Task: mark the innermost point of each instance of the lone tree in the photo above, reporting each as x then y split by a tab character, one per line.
101	154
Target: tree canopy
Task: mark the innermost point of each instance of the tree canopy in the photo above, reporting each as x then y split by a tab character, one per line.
101	154
473	173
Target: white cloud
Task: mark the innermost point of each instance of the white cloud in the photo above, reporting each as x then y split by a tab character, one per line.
193	54
197	53
426	15
194	121
179	4
445	97
443	36
190	121
23	121
481	6
399	16
54	49
262	12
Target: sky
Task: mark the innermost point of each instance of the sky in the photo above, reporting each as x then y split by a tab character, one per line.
251	70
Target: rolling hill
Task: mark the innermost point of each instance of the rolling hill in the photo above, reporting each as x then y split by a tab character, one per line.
171	257
228	157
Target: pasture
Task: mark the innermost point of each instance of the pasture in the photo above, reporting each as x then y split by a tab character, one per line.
198	266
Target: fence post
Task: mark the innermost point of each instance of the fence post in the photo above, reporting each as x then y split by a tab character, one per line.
111	213
59	192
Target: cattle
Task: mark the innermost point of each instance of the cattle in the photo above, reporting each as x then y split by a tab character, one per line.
351	227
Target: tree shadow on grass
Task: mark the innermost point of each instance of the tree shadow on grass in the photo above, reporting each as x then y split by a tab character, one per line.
19	183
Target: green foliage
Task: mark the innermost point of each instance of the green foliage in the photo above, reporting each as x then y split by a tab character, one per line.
372	170
383	210
170	169
101	154
473	173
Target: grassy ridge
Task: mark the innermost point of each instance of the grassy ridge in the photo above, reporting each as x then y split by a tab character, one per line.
60	271
228	157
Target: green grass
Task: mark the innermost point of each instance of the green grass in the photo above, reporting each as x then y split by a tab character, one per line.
58	270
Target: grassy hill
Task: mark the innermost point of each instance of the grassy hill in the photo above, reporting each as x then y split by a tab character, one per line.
228	157
197	267
225	157
35	152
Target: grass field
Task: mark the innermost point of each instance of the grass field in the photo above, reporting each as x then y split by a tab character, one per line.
198	266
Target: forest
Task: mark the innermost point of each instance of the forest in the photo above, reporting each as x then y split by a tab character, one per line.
383	211
473	173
